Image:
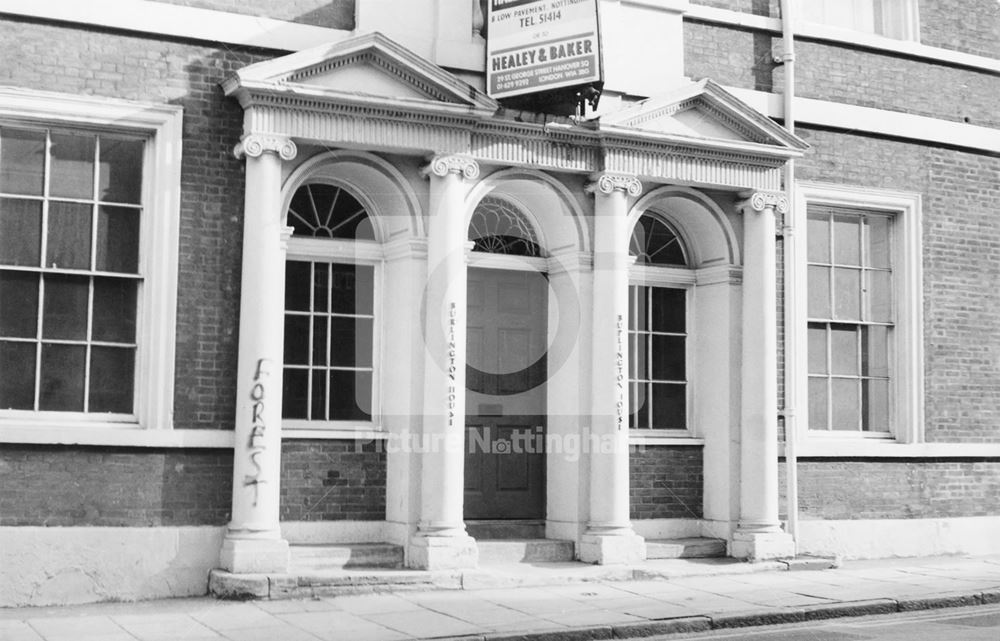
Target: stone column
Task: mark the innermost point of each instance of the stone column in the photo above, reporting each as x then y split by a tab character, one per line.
253	540
609	537
759	535
441	541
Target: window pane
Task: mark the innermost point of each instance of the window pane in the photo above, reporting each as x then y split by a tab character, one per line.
121	170
65	314
114	310
668	358
68	244
668	310
876	398
846	240
846	404
20	231
112	370
18	305
637	307
817	403
880	296
350	342
22	161
294	392
669	406
877	231
350	395
639	406
844	349
297	285
817	350
819	292
321	287
320	353
637	356
72	170
875	351
296	340
818	234
847	289
351	289
17	384
62	378
118	240
318	410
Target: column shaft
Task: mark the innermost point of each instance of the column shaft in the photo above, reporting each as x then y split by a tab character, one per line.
759	535
253	540
441	541
609	537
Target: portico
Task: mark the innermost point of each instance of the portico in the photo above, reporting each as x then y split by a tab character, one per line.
422	153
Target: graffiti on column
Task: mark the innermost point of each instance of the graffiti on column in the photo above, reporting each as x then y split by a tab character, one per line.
452	355
620	373
256	444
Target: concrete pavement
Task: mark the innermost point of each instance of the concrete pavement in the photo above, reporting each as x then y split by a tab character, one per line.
583	610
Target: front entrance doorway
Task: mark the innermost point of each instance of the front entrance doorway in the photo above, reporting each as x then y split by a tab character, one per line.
505	396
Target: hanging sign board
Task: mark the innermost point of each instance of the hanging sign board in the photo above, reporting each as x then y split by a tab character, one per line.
537	45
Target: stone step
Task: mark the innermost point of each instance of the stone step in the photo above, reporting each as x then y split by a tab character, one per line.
501	529
322	557
509	551
689	548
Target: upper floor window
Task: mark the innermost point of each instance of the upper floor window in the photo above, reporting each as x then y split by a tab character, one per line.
658	329
330	319
889	18
71	212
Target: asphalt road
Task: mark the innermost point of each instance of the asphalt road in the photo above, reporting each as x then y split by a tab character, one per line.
978	623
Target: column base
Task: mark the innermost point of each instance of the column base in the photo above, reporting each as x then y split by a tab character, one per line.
762	546
443	552
254	556
612	549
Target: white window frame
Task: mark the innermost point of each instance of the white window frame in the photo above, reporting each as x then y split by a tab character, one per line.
152	422
673	278
906	366
909	30
354	252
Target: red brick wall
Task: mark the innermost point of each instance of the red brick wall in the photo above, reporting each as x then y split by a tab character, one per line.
91	62
333	14
896	488
64	486
972	26
327	480
665	482
961	236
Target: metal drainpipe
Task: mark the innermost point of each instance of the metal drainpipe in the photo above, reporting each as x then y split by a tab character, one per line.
792	395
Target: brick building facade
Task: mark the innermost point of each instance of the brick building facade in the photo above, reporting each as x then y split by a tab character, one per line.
187	367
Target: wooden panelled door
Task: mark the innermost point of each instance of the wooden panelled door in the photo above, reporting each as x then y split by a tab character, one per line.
505	396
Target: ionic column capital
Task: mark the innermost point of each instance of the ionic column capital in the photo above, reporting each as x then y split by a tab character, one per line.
608	183
255	145
444	165
760	201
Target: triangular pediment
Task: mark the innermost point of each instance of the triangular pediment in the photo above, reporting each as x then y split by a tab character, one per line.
702	110
364	68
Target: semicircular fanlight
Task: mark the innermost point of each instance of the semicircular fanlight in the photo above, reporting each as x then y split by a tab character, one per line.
497	227
654	242
319	210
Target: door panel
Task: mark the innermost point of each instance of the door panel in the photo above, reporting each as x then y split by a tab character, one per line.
505	400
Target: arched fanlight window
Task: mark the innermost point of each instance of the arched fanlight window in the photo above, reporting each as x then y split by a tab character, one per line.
497	227
319	210
655	243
